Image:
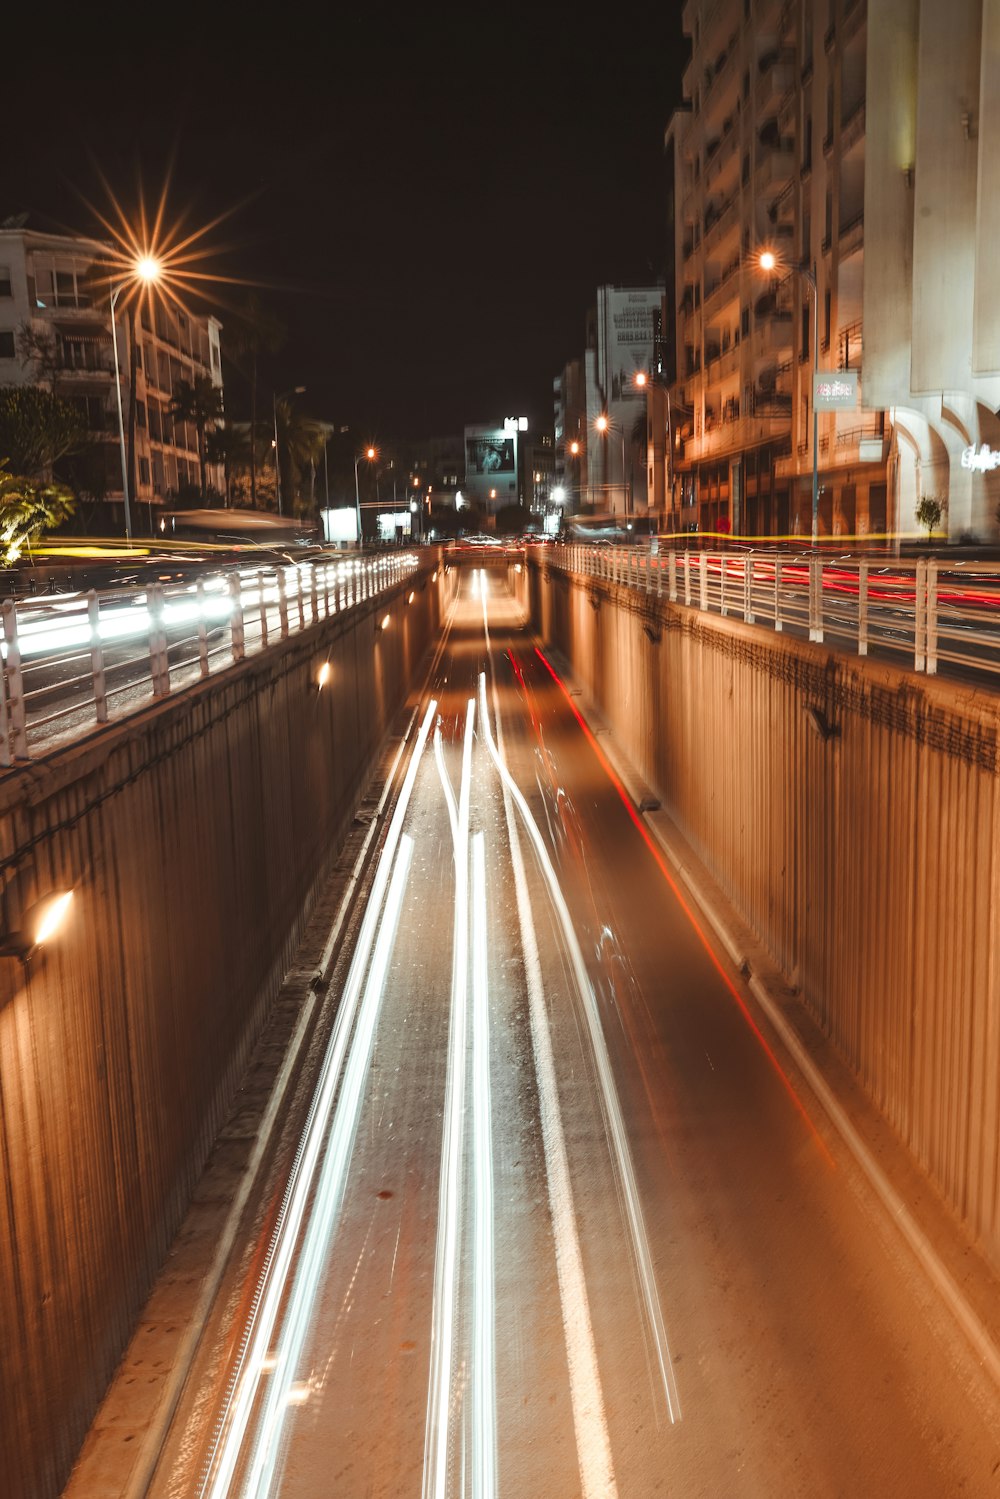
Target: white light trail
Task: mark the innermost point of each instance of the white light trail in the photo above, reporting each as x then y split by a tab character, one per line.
246	1378
617	1132
484	1381
329	1198
446	1261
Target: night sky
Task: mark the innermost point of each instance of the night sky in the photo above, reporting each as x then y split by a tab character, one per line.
427	198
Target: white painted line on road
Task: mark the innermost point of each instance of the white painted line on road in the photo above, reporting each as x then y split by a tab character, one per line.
235	1416
484	1381
446	1258
617	1133
590	1423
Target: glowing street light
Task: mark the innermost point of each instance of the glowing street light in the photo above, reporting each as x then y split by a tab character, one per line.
768	261
604	425
371	453
144	271
41	922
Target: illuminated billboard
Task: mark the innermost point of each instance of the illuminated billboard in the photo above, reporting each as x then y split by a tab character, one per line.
489	455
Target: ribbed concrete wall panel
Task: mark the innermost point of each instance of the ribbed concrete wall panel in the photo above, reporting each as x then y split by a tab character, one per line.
196	836
849	810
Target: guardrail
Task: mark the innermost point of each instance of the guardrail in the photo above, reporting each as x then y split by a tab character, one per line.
74	660
926	611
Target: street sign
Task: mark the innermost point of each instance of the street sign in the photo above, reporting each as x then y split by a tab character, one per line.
835	391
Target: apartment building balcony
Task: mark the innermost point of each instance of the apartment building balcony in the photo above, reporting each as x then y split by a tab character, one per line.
850	345
725	289
721	92
774	336
724	226
864	443
852	236
721	365
855	16
775	165
852	131
776	81
734	436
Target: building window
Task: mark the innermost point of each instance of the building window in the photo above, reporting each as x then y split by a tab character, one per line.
6	343
6	290
140	413
807	143
745	323
826	319
806	313
143	470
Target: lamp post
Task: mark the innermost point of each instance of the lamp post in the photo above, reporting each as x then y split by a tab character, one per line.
604	424
145	271
296	390
370	454
768	261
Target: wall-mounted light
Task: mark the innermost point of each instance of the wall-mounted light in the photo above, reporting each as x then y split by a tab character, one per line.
383	623
411	598
434	576
41	922
323	676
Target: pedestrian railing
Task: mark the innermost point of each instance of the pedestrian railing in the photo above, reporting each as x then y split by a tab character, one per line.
931	613
79	659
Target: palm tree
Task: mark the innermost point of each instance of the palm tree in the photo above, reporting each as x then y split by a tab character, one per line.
198	401
252	329
301	440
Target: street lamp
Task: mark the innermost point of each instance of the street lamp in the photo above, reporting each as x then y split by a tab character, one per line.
145	271
604	425
371	454
296	390
768	261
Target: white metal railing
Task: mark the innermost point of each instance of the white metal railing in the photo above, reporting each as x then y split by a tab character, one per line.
78	659
931	612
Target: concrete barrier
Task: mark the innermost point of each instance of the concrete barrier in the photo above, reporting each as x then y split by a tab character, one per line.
849	810
195	836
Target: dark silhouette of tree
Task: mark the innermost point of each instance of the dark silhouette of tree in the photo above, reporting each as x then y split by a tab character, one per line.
199	401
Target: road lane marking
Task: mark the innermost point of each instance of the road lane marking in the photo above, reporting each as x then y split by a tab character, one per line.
484	1430
615	1123
446	1256
251	1365
590	1424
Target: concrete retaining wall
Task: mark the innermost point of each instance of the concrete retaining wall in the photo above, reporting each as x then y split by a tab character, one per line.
850	813
196	836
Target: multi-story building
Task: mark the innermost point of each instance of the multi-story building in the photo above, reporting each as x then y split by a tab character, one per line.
770	156
932	268
53	330
599	403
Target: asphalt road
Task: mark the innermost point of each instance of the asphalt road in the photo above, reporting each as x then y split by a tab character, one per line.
560	1221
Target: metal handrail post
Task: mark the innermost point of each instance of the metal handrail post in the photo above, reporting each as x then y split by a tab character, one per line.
15	682
97	658
920	618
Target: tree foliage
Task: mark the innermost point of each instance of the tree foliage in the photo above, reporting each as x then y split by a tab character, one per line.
37	428
28	509
929	513
198	401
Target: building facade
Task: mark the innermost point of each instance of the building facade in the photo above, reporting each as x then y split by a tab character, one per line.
53	331
932	272
770	160
880	206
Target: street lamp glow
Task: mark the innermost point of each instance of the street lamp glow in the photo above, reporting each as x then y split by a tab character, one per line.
558	495
767	260
602	423
370	453
147	268
640	378
574	448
